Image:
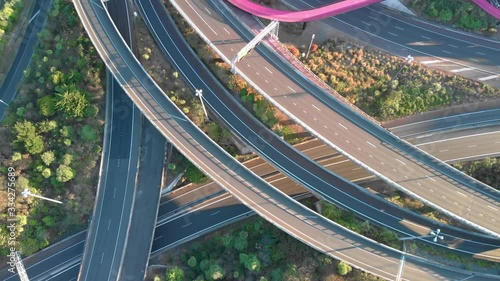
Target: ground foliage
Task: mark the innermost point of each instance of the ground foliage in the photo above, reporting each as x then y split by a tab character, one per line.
460	13
52	133
367	79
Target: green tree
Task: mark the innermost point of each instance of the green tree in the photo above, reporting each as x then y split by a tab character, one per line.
67	159
343	268
91	111
88	133
48	221
46	173
45	126
34	145
20	111
64	173
251	262
22	182
193	174
192	261
241	241
174	274
446	15
24	130
47	106
16	156
72	101
66	131
277	274
214	272
48	157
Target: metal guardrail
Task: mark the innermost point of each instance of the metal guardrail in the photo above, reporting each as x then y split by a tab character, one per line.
286	54
355	109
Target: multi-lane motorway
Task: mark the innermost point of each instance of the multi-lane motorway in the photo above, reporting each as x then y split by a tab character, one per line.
437	46
361	140
245	186
190	213
329	187
108	230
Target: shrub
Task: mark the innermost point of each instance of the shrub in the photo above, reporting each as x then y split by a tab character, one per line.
193	174
47	106
72	101
48	157
192	261
175	274
343	268
446	15
34	145
88	133
46	173
294	50
64	173
16	156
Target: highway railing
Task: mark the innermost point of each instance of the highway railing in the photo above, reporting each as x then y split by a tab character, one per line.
381	133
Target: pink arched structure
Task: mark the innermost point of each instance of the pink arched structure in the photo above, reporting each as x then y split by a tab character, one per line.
326	11
301	16
487	7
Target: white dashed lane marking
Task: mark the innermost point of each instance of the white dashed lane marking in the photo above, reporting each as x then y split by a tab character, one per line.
343	126
488	77
462	69
316	107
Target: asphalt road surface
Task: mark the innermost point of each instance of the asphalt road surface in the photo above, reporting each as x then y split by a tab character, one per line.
356	137
265	200
437	46
8	89
185	205
338	191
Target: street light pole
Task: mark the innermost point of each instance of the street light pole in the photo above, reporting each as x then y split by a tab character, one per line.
408	60
432	233
310	44
199	93
27	193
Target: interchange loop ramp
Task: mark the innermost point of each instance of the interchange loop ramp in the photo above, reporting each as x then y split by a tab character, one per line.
301	16
273	205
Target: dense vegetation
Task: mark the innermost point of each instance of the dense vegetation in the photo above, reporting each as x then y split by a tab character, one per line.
367	79
9	16
486	170
255	103
52	133
460	13
254	250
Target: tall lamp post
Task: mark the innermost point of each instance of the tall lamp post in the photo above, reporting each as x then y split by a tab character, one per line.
199	93
408	60
310	44
27	193
432	233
